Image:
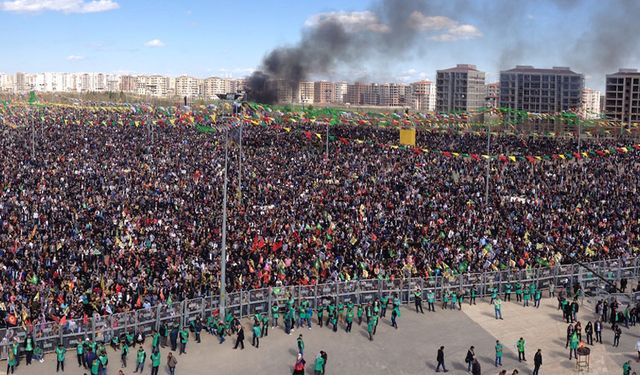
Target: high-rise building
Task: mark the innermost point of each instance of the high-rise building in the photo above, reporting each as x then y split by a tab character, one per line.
21	82
590	108
324	92
492	95
528	89
187	86
214	86
460	89
423	96
128	83
622	101
305	92
339	92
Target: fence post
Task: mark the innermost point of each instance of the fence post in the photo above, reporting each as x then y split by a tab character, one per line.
61	332
315	296
269	291
158	307
241	301
93	328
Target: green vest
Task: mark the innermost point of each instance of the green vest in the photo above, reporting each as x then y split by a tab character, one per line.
95	367
60	351
155	359
141	354
184	336
80	349
499	350
274	311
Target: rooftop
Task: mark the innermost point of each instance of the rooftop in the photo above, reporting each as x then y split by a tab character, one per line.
531	69
462	68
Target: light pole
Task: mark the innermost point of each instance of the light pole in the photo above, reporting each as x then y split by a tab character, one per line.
327	144
240	163
486	192
223	255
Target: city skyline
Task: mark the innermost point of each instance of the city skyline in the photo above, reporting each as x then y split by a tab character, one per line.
229	39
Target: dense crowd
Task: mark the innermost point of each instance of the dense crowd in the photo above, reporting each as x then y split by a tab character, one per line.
102	220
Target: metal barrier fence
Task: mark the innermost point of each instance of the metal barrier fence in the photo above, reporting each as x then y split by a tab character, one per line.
246	303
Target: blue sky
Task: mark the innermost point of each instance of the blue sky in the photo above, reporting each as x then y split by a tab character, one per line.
229	38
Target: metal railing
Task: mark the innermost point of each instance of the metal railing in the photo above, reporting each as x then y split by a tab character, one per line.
246	303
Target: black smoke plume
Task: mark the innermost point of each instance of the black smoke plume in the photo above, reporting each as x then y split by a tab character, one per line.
338	40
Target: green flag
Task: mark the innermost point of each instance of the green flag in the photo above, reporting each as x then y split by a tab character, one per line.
32	98
204	129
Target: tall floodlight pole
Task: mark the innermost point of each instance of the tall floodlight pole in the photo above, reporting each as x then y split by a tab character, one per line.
240	163
486	192
327	145
33	136
223	255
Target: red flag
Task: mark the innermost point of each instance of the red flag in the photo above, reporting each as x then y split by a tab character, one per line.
446	153
307	134
577	155
475	156
503	158
344	141
531	159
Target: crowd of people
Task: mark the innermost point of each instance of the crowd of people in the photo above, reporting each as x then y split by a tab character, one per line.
101	219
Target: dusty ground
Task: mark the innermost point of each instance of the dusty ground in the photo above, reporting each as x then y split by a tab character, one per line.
409	350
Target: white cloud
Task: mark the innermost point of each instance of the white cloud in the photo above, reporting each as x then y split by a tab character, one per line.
154	43
75	57
351	21
459	32
65	6
451	30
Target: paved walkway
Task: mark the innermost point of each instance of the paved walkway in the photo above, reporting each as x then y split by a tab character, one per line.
409	350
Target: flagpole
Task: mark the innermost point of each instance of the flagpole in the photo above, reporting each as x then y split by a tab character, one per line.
33	136
223	255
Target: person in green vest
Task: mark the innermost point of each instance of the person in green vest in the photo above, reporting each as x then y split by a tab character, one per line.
164	332
331	308
474	294
417	295
360	313
494	294
256	336
340	311
14	348
130	340
445	299
349	319
520	344
499	348
115	342
275	314
155	362
80	353
300	344
265	325
454	300
228	319
368	310
395	314
220	331
320	313
60	353
141	356
626	368
370	329
104	361
95	367
123	354
302	316
497	304
527	297
257	319
29	344
431	300
155	341
334	321
375	323
507	292
384	302
573	346
461	295
318	368
536	298
518	292
11	362
376	308
184	338
287	321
